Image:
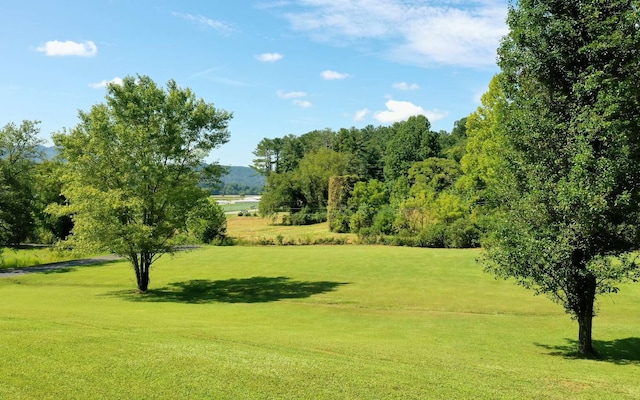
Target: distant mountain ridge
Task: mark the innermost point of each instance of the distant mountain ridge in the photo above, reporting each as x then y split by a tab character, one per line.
241	176
244	176
47	152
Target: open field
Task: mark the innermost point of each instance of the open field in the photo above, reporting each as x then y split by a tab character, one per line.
230	203
305	322
256	229
243	206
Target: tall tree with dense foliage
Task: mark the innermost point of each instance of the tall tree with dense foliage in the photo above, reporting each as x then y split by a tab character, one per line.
412	141
484	152
18	154
134	164
267	154
453	145
48	190
313	174
572	148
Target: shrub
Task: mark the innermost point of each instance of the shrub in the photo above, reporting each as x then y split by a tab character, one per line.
462	233
384	219
206	221
304	217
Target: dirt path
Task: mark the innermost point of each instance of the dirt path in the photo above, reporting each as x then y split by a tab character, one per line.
7	273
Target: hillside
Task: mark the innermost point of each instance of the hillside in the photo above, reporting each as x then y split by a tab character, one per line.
244	176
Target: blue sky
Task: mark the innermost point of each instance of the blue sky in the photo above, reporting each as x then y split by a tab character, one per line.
281	67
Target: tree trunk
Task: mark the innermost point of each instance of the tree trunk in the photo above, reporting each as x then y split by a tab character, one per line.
587	295
585	345
143	279
141	265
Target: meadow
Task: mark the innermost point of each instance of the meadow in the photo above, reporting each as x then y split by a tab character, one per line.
305	322
32	256
255	230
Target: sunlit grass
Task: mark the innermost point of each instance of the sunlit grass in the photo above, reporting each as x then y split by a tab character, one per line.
244	206
305	322
31	256
254	229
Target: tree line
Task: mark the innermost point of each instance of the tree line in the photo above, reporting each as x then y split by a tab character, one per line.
407	184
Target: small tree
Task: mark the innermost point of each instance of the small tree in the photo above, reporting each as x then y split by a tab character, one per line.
18	154
207	222
412	141
134	165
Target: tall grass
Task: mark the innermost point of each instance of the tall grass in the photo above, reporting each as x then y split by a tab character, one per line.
31	256
321	322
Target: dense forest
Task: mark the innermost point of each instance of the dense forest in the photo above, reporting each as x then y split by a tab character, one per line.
399	184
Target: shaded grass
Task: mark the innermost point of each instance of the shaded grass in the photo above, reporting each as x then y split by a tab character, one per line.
322	322
257	289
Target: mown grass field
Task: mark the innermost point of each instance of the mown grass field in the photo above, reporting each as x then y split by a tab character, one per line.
305	322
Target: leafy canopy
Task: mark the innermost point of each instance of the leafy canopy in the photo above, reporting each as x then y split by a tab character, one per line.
571	187
18	153
134	165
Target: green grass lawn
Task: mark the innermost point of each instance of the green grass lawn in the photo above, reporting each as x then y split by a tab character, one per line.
244	206
319	322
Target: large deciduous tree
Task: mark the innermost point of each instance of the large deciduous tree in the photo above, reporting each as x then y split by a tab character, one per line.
412	141
18	154
134	165
572	145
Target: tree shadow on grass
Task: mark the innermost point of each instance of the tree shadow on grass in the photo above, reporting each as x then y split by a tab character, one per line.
619	351
258	289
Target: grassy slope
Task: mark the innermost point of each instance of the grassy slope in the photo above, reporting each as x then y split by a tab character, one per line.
349	322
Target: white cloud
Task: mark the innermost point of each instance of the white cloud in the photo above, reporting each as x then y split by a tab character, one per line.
402	110
302	103
296	98
333	75
406	86
206	22
290	95
69	48
451	36
213	74
269	57
360	114
104	83
449	32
